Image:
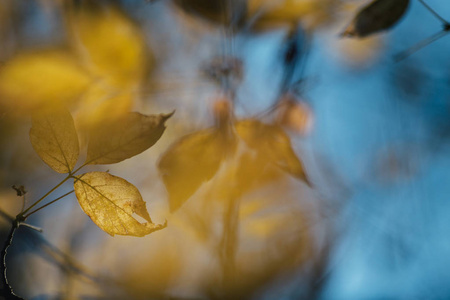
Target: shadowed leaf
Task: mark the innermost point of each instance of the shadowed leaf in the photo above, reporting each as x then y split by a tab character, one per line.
191	161
111	201
123	138
55	140
272	145
377	16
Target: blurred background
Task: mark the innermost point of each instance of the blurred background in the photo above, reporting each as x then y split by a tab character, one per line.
371	132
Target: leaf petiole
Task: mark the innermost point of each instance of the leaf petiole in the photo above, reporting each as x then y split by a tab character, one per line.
45	196
45	205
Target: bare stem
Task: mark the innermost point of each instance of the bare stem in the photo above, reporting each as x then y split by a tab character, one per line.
45	196
51	202
433	12
404	54
6	289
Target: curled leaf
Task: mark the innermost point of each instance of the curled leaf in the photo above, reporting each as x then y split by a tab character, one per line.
111	201
112	142
55	140
191	161
272	145
46	78
377	16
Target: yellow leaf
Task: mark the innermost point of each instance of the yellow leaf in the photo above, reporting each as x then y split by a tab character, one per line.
111	201
191	161
272	145
46	78
110	43
55	140
377	16
102	102
310	12
112	142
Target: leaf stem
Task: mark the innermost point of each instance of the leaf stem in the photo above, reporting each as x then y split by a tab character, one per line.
45	196
45	205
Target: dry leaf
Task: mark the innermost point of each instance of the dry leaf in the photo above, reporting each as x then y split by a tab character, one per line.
191	161
111	45
377	16
46	78
123	138
111	201
272	145
55	140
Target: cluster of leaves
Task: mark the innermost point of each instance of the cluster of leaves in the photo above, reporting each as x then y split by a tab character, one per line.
108	200
196	158
98	72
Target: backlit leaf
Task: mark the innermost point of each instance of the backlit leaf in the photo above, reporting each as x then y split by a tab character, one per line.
191	161
272	145
110	43
45	78
379	15
111	201
55	140
112	142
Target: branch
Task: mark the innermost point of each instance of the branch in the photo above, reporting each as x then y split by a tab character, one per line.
6	289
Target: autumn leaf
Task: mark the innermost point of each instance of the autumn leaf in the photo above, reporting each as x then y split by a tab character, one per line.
111	201
55	140
109	43
379	15
272	145
311	13
115	141
45	78
191	161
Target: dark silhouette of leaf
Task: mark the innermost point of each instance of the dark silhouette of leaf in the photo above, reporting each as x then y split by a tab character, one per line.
111	201
191	161
272	145
377	16
55	140
125	137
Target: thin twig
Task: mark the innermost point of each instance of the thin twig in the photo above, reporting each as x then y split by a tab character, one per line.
51	202
434	12
48	193
6	289
404	54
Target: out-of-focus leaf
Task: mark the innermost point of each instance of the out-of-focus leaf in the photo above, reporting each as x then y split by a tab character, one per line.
311	13
55	140
191	161
123	138
100	103
272	145
379	15
46	78
110	43
111	201
227	13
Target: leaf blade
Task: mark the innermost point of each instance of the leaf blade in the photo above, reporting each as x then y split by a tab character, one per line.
54	138
111	201
113	142
272	145
191	161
